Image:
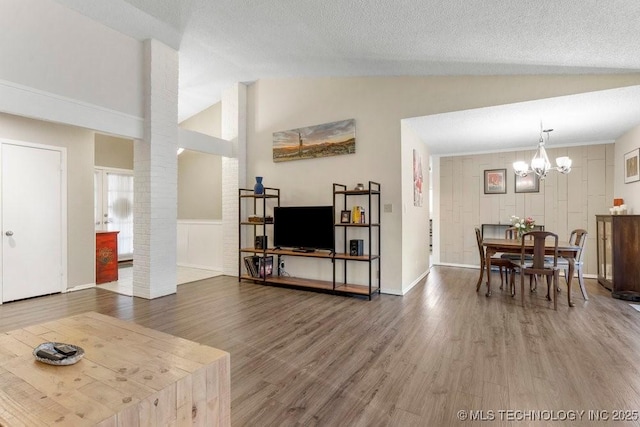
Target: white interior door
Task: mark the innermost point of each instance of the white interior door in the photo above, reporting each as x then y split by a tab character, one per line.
32	221
114	207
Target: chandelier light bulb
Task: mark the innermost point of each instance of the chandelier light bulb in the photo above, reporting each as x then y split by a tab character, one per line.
540	164
564	164
521	168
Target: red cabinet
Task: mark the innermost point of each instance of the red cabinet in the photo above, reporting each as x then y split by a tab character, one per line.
106	256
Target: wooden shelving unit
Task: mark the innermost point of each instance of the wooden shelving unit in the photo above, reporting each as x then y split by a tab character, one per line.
369	197
261	206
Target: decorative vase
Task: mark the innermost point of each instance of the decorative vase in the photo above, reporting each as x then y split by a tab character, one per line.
258	188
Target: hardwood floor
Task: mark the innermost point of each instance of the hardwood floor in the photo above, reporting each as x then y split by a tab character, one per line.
302	358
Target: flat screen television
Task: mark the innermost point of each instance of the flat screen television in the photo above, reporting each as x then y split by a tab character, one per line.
304	228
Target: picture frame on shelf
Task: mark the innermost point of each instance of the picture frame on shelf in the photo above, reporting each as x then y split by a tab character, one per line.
266	266
632	166
345	217
527	184
495	181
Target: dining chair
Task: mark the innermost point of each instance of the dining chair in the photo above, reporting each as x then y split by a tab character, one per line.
540	264
511	233
578	237
495	261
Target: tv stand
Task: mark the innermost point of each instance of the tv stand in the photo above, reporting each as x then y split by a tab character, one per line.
338	285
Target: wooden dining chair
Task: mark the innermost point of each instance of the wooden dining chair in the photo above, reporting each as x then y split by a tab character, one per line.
578	237
541	264
495	261
511	233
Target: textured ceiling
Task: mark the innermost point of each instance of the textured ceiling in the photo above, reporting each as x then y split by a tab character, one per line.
587	118
226	41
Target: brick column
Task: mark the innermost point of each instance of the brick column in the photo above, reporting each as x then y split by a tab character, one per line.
155	177
234	170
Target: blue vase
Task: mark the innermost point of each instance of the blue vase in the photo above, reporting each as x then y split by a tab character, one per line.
258	188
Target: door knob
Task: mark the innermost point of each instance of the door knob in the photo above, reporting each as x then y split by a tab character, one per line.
9	233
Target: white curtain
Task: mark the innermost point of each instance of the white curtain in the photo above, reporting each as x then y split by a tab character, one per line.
120	211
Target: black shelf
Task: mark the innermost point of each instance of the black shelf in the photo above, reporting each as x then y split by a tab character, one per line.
372	245
260	207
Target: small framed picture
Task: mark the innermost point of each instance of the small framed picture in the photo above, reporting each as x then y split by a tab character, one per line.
631	166
345	217
265	266
495	181
527	184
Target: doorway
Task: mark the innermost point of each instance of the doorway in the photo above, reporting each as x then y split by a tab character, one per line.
113	206
34	220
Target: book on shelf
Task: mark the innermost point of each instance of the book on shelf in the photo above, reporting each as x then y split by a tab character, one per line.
251	264
357	215
247	266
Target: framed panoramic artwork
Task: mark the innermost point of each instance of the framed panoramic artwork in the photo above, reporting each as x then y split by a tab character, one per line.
329	139
631	166
495	181
527	184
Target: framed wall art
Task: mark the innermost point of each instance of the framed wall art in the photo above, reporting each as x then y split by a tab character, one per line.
527	184
328	139
495	181
631	171
417	178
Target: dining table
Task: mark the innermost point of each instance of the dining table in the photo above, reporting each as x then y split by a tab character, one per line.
513	246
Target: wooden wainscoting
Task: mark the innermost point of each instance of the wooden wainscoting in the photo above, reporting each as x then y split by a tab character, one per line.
200	244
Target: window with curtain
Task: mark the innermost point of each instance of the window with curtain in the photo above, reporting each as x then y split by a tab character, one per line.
114	207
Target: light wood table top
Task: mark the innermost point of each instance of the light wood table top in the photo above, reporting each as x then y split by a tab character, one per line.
130	375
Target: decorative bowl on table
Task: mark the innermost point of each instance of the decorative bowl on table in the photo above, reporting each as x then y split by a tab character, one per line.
64	360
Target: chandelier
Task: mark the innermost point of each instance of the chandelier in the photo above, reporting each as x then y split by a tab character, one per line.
540	164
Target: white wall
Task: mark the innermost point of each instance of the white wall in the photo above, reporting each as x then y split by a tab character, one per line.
50	48
378	105
629	192
80	223
415	219
208	121
200	174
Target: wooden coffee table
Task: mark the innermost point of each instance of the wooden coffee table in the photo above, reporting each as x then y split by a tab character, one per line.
130	376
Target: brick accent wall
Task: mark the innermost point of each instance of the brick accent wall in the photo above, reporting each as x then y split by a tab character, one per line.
234	170
155	177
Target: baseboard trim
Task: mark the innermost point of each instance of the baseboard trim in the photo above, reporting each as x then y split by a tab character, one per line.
201	267
80	287
449	264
